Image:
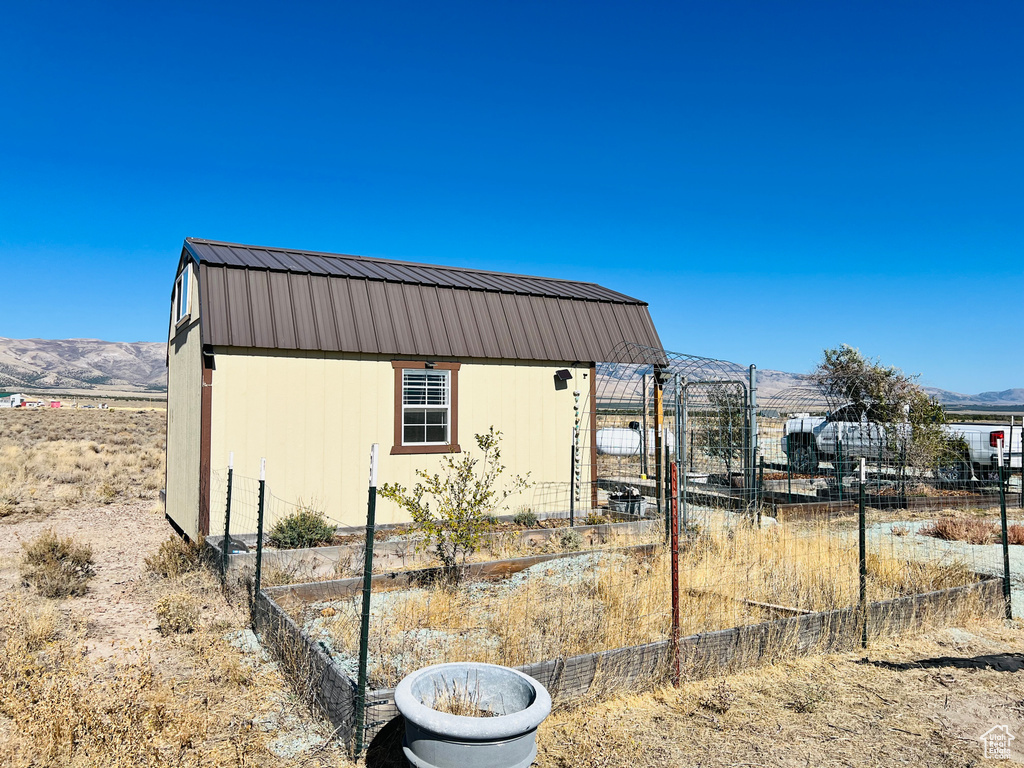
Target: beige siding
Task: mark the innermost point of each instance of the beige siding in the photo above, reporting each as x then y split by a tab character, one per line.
313	416
184	393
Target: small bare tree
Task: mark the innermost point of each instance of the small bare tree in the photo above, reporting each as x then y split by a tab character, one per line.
465	495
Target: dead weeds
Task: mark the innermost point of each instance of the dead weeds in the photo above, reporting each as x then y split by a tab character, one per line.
821	710
57	566
175	557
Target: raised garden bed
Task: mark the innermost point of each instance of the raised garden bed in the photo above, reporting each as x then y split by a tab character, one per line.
312	624
395	548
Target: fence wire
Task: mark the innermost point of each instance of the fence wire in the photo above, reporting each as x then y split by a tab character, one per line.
572	582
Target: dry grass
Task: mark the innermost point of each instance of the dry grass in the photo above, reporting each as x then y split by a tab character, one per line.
56	566
462	700
190	700
613	600
1015	534
973	531
175	557
89	681
60	458
177	613
822	710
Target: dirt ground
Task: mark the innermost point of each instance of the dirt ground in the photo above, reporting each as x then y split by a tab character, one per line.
115	608
91	680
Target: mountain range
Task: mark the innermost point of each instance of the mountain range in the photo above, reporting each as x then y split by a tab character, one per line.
92	365
83	366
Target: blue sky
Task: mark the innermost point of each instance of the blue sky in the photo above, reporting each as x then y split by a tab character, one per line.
773	178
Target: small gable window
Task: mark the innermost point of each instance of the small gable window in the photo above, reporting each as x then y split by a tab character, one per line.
182	287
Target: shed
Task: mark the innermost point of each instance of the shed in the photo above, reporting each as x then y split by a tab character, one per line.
308	358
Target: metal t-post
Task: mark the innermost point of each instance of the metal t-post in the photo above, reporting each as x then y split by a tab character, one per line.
676	487
226	543
259	532
364	622
572	484
863	547
683	461
674	474
1007	595
753	430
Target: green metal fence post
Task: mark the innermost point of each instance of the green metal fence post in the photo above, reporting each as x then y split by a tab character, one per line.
226	543
752	437
364	623
1007	595
681	446
259	533
572	485
863	557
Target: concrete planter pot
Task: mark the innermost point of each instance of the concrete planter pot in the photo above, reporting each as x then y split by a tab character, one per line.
436	739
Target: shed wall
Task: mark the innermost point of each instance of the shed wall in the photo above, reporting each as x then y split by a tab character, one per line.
314	415
184	395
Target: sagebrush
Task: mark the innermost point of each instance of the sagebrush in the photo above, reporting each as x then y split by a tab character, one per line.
56	565
306	527
175	557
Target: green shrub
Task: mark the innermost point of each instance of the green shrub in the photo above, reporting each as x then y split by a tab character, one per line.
464	497
306	527
570	539
56	565
525	517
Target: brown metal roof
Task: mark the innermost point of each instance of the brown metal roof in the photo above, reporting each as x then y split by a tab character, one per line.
284	299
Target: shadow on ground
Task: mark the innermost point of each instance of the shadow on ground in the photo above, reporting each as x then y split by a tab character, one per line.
385	751
999	662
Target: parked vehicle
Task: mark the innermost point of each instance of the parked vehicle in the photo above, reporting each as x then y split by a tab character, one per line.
852	432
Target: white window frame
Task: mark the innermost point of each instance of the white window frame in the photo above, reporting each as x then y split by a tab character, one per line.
427	407
181	307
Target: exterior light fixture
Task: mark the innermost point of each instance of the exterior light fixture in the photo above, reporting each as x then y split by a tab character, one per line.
563	374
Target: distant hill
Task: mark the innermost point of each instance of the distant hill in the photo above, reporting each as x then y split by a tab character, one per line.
91	365
1013	396
777	388
83	365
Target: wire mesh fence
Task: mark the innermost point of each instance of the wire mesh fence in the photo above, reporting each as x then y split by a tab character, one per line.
780	549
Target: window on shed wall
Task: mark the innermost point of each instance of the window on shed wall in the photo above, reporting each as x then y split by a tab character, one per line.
181	294
426	407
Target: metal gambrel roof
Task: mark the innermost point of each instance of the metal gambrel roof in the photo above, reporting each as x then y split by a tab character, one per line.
285	299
